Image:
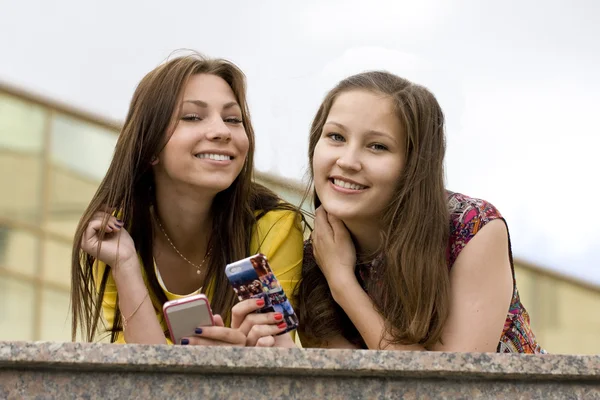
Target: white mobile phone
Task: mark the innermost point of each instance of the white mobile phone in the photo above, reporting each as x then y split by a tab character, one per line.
183	316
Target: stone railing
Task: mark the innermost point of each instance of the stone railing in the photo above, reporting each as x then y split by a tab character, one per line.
80	370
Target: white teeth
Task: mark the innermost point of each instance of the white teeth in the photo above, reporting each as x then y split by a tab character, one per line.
348	185
216	157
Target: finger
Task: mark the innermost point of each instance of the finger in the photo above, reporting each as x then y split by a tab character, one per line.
265	341
92	229
114	225
104	216
242	309
105	209
100	219
337	226
320	213
100	215
200	341
113	222
259	331
321	222
218	320
232	336
251	320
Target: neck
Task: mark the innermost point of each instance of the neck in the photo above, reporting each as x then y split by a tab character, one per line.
366	237
187	220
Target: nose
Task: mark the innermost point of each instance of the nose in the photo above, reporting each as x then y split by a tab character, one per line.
349	160
218	130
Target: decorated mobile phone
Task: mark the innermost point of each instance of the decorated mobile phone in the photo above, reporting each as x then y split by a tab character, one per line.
183	316
252	277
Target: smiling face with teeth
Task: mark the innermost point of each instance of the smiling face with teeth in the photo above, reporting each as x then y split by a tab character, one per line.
359	156
209	144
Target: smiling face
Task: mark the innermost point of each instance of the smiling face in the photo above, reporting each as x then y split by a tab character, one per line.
209	145
359	157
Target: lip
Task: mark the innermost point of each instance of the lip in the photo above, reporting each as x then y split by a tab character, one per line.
345	190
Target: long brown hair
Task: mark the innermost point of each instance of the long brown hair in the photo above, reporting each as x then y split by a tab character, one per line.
412	287
128	184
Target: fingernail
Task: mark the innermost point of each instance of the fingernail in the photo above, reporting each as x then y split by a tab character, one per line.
185	341
260	302
278	316
120	222
198	331
282	325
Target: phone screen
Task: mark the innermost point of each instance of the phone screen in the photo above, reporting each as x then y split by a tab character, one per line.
252	277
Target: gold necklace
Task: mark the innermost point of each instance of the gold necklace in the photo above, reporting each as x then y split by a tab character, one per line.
198	267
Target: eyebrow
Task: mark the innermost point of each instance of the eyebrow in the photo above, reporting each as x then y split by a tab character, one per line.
203	104
369	132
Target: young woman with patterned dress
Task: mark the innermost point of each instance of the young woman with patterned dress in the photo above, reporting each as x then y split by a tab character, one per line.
395	260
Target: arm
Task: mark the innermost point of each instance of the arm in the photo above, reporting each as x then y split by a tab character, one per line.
139	315
359	307
336	256
481	288
117	249
135	305
143	327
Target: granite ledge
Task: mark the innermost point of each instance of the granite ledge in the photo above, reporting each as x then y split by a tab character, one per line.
307	362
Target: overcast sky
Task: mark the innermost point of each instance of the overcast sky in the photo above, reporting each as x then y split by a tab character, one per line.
519	83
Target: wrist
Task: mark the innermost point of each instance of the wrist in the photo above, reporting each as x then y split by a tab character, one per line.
343	286
127	269
128	258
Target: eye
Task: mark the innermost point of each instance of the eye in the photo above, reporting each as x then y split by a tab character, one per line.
378	147
191	117
233	120
336	137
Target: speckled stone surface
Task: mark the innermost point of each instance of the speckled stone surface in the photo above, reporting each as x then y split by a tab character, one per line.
79	370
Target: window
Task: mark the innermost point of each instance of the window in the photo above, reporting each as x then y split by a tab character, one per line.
16	309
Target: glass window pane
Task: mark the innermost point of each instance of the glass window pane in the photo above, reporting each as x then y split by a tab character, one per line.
70	195
16	309
21	125
81	153
20	198
57	263
56	316
21	140
83	148
18	250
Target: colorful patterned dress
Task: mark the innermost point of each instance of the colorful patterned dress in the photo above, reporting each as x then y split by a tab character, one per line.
467	216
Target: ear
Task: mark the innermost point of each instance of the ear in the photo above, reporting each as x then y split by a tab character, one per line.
154	160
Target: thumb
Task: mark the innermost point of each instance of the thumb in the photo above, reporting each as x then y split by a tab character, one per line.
265	341
218	320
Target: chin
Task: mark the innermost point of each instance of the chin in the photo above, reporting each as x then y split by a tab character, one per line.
213	187
341	211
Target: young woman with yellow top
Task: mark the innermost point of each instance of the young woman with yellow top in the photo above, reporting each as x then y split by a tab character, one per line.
177	204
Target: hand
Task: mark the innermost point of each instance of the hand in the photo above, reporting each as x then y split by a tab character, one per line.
333	249
259	328
116	245
216	335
